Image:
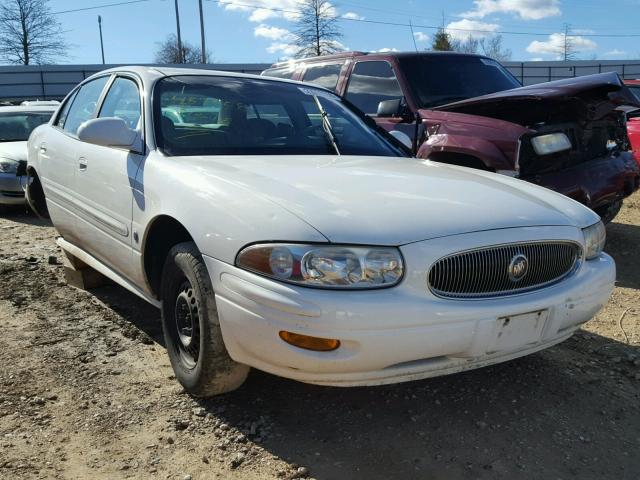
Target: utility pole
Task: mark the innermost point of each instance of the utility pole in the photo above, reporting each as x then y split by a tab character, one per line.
203	53
180	59
413	35
101	43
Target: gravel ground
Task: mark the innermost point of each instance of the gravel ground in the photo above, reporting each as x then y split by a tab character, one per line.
86	391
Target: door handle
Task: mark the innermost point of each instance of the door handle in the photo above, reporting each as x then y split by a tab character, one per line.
43	148
82	164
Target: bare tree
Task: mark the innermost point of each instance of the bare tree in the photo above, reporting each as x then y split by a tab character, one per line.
29	33
168	52
568	49
492	48
470	45
317	31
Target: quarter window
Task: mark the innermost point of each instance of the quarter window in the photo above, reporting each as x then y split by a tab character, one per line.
324	75
62	117
371	83
123	101
84	104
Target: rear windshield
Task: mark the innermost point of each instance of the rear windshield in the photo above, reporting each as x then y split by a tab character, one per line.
17	126
209	115
437	80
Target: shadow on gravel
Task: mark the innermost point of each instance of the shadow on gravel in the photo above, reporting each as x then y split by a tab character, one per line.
550	415
22	214
622	245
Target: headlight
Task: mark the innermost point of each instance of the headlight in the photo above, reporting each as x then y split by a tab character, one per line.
8	166
595	237
325	266
551	143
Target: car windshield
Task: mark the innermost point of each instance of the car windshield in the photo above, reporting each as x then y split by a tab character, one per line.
438	79
17	126
216	115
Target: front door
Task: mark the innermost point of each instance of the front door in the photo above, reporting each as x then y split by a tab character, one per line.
104	183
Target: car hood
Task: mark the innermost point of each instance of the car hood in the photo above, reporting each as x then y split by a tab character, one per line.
590	97
390	201
13	150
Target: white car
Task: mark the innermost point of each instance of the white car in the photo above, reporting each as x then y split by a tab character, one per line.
293	237
16	123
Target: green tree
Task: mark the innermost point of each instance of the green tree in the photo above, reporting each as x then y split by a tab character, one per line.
442	41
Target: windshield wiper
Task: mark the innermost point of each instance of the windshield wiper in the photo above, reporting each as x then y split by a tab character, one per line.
326	125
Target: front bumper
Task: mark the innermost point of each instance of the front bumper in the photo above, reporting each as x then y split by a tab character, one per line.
597	183
11	192
401	333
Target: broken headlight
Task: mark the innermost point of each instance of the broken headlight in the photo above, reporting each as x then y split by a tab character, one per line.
550	143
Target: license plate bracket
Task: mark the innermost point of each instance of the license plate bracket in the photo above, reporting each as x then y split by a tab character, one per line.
518	331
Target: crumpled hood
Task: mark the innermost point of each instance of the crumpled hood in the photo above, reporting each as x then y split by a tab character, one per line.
388	201
13	150
590	97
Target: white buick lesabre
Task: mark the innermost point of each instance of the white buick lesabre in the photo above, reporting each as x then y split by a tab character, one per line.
278	229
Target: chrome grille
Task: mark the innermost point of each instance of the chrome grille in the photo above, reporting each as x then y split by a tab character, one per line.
485	272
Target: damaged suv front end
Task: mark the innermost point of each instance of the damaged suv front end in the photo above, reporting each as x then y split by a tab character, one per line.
568	135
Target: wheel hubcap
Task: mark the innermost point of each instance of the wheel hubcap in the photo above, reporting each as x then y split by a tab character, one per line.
187	324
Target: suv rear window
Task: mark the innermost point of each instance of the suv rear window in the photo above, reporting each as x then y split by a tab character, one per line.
324	75
285	72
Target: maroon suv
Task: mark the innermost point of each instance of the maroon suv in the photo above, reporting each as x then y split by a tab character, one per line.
568	135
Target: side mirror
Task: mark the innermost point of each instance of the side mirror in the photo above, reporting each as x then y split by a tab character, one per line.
108	132
402	137
390	108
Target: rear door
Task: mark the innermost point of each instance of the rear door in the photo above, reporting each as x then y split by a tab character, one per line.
57	149
105	180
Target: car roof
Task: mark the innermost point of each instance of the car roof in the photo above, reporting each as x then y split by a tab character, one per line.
345	55
152	74
28	108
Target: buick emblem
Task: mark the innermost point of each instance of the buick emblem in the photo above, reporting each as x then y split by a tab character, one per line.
518	268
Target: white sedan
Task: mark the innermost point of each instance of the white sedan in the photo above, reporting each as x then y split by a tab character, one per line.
16	123
286	233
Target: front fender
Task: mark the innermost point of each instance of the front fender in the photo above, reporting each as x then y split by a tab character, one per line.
484	150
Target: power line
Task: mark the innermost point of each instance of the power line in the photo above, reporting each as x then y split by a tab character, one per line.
99	6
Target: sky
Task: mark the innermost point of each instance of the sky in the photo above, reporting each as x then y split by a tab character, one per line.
245	31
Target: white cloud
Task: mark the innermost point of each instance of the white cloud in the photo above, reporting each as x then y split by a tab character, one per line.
421	37
536	59
582	31
272	33
465	28
616	53
555	44
261	10
385	50
286	49
352	16
525	9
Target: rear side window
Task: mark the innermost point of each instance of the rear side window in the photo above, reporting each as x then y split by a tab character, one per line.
279	73
123	101
370	84
84	104
324	75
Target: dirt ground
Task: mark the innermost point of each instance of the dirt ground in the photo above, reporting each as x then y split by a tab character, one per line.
86	391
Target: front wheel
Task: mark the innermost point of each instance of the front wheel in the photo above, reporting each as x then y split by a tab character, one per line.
192	328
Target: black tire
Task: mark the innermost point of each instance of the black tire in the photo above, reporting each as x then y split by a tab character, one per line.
191	327
608	212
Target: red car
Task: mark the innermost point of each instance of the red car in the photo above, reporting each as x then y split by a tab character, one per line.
633	121
468	110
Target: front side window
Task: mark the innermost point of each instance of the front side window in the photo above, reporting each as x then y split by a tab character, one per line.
324	75
440	79
371	83
84	104
17	126
123	101
258	117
